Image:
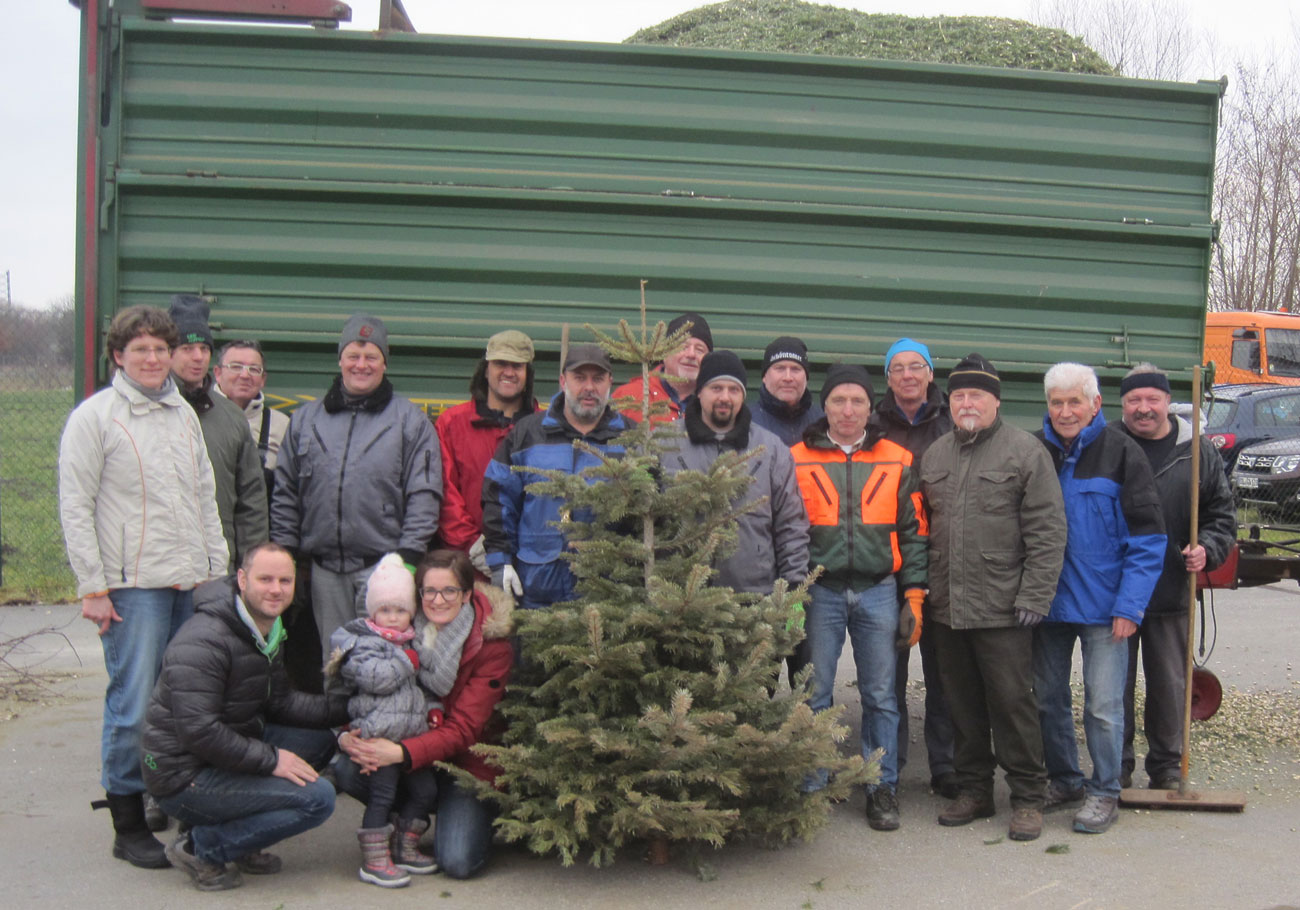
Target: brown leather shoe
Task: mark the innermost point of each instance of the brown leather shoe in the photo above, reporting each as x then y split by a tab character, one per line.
965	809
1026	824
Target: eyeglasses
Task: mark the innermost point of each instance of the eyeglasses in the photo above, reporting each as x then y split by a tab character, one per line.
160	350
251	369
904	368
447	594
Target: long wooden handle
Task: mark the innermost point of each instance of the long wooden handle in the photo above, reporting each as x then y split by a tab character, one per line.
1195	493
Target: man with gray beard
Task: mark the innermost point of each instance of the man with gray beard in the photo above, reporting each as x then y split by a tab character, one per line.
523	545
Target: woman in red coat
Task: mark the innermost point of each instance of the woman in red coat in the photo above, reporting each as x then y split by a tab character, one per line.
460	628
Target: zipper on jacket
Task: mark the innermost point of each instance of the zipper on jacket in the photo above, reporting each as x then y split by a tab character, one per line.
848	508
817	480
875	490
343	470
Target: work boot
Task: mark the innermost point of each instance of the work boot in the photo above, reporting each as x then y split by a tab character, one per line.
132	840
882	809
377	859
1060	794
154	816
207	876
1026	823
1097	815
406	847
1165	782
965	809
259	863
945	785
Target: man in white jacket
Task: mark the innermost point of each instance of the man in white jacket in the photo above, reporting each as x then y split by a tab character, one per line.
137	500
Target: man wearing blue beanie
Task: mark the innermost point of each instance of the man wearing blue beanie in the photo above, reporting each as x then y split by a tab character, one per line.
914	413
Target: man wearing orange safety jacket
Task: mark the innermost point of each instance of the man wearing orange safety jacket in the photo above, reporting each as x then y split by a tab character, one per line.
868	531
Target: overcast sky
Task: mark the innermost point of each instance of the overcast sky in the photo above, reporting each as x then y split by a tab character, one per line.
38	101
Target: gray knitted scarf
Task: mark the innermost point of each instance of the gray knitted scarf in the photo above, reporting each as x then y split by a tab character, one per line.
439	651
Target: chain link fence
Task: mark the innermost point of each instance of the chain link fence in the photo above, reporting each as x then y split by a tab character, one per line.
35	400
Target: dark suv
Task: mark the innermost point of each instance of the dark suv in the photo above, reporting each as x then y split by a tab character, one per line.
1267	475
1242	415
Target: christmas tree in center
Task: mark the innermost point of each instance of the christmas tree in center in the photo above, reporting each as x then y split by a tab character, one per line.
649	709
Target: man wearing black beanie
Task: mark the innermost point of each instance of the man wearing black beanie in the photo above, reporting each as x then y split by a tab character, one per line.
785	404
868	533
773	537
997	535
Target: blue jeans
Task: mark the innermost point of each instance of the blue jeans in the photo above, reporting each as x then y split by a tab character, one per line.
233	814
871	618
462	836
133	652
1105	671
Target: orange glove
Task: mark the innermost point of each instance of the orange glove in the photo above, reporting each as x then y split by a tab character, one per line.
909	618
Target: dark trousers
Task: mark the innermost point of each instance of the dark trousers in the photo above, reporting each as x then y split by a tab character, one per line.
938	726
1162	638
419	794
988	678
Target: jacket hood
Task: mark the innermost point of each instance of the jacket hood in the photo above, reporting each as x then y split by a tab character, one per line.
779	409
217	598
499	620
936	404
817	436
335	400
697	431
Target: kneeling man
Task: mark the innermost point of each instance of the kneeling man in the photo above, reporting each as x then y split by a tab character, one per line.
229	749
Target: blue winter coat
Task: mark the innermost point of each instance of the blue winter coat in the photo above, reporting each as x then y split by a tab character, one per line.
1115	548
517	523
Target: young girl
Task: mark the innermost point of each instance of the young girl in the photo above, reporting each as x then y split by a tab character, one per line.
376	662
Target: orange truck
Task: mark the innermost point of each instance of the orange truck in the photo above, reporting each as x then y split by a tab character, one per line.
1253	347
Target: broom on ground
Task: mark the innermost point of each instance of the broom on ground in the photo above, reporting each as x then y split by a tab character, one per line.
1185	797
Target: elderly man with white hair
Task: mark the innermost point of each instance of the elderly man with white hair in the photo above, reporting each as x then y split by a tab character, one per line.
1114	553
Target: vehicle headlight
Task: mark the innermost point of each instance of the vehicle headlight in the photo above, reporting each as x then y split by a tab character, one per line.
1285	464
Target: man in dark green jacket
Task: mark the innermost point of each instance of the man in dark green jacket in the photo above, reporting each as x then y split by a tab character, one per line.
241	487
997	540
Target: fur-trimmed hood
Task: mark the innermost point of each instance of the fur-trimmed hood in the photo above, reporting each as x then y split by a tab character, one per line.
500	622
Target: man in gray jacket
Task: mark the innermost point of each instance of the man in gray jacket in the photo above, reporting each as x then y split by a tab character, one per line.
241	489
997	539
359	475
773	538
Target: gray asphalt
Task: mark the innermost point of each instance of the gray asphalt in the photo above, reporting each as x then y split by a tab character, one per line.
56	852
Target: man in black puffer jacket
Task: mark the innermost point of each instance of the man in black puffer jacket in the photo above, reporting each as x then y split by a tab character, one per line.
228	747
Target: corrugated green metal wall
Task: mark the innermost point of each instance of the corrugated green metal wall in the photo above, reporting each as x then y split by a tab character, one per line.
458	186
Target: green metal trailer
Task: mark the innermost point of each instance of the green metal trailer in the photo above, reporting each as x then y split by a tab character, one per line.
457	186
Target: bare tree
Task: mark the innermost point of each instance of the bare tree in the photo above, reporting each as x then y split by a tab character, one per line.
1146	39
1257	188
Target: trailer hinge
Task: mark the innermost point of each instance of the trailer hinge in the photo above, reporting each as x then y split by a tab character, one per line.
1122	339
108	194
1128	220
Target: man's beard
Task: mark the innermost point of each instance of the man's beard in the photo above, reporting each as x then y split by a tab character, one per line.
583	411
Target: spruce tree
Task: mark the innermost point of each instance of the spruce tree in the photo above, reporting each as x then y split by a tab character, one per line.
648	709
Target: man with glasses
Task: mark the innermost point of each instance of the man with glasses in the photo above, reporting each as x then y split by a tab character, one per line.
914	413
673	381
241	487
241	376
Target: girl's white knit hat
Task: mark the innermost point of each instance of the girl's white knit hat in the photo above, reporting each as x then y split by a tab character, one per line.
390	585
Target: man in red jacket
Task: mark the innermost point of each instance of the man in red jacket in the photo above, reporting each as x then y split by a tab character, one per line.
501	392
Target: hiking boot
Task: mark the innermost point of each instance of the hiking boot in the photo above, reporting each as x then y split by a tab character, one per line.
1059	794
406	847
154	816
377	860
131	839
945	785
259	863
882	809
1026	823
1097	815
207	876
965	809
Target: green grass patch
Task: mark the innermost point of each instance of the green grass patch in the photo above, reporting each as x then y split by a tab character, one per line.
35	565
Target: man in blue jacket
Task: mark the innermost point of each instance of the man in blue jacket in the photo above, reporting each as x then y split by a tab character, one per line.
523	545
1114	554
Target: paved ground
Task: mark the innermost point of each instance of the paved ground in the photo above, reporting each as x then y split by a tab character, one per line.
57	853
